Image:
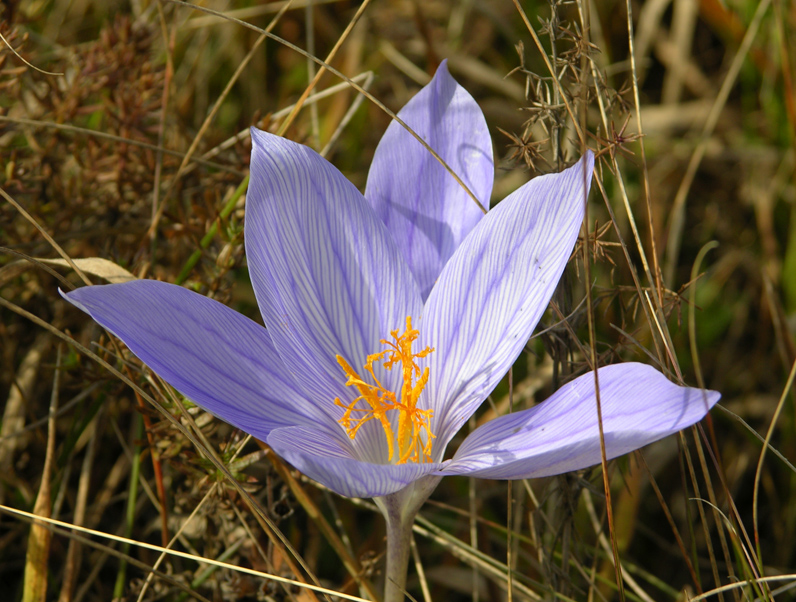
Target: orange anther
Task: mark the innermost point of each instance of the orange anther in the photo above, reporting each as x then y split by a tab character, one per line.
413	423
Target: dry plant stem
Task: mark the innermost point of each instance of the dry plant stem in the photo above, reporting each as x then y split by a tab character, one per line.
399	510
645	172
717	515
701	382
132	497
266	524
738	526
421	574
623	245
488	566
659	322
585	20
262	553
593	361
510	489
732	587
154	456
168	41
309	24
349	115
204	574
366	77
552	71
21	58
13	418
555	135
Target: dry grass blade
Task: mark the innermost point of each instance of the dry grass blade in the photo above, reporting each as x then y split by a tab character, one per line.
38	553
96	266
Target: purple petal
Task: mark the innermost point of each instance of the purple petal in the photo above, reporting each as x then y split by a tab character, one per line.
425	209
213	355
328	277
331	461
493	291
639	406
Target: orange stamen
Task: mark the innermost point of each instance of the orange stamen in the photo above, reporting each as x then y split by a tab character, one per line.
412	421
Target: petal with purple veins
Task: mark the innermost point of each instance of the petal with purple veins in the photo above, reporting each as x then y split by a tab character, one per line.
327	275
218	358
639	406
329	460
494	290
425	209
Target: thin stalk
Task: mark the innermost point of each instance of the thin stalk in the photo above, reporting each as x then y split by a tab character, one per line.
399	542
399	510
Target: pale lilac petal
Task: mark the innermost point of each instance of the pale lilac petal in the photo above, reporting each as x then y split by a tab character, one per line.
218	358
328	277
425	209
332	462
494	290
639	406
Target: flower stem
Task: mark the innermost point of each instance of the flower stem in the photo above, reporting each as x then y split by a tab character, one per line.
399	510
398	544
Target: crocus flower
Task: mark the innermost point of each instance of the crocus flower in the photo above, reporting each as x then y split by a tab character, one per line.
390	317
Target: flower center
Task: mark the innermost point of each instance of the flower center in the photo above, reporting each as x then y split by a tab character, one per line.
412	422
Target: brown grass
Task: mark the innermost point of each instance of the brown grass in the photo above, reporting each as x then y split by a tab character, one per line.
123	136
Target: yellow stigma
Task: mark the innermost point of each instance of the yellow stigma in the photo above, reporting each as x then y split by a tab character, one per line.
412	422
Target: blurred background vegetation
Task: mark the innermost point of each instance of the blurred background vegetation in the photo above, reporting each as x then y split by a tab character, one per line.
124	137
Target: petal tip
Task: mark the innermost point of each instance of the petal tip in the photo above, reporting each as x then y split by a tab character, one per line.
587	162
589	156
74	297
442	70
259	137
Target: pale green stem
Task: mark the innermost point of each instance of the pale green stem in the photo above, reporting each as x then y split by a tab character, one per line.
399	510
